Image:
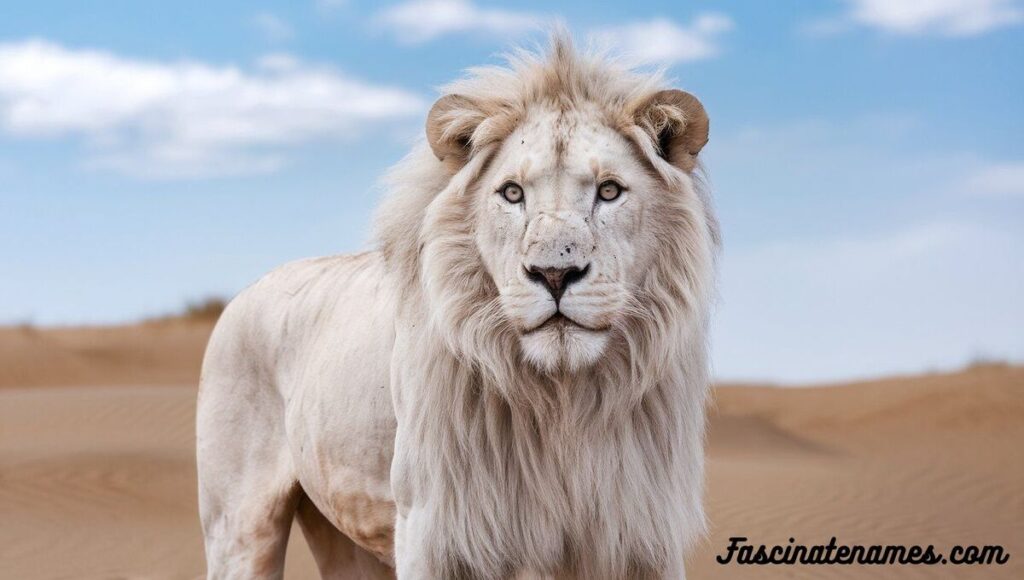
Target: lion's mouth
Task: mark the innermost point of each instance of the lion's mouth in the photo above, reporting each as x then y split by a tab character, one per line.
561	322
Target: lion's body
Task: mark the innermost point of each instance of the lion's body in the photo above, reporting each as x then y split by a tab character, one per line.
299	370
437	410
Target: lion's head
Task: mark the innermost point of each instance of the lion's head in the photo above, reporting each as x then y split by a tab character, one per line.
556	222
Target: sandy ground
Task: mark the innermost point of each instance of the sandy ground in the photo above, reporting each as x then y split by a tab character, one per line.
97	478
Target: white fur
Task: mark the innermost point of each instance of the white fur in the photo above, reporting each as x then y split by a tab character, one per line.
410	393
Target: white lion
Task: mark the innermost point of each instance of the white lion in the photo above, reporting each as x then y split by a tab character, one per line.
513	384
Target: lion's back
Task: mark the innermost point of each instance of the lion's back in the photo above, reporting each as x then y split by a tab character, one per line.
280	325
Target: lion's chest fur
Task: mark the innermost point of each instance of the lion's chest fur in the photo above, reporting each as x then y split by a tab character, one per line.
503	489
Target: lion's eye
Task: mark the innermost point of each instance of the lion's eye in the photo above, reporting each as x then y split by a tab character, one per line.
609	191
512	192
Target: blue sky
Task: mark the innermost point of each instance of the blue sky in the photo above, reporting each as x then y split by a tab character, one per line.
866	156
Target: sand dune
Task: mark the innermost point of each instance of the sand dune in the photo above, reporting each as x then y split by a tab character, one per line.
160	352
917	460
97	477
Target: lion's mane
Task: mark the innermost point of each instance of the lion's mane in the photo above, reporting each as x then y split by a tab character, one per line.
603	463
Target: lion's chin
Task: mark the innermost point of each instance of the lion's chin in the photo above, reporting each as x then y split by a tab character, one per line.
563	346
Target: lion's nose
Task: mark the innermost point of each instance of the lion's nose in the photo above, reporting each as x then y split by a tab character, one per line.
556	280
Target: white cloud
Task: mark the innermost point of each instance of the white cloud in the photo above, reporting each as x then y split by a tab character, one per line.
997	180
273	27
662	41
422	20
166	161
184	119
917	17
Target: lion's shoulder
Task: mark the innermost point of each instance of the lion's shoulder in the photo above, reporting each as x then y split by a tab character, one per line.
299	292
299	277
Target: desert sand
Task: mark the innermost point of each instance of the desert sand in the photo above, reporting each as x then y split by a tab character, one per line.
97	477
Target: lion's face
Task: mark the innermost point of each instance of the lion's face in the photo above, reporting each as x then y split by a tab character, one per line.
567	229
559	215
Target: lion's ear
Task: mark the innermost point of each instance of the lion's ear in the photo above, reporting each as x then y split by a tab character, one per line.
677	122
450	126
